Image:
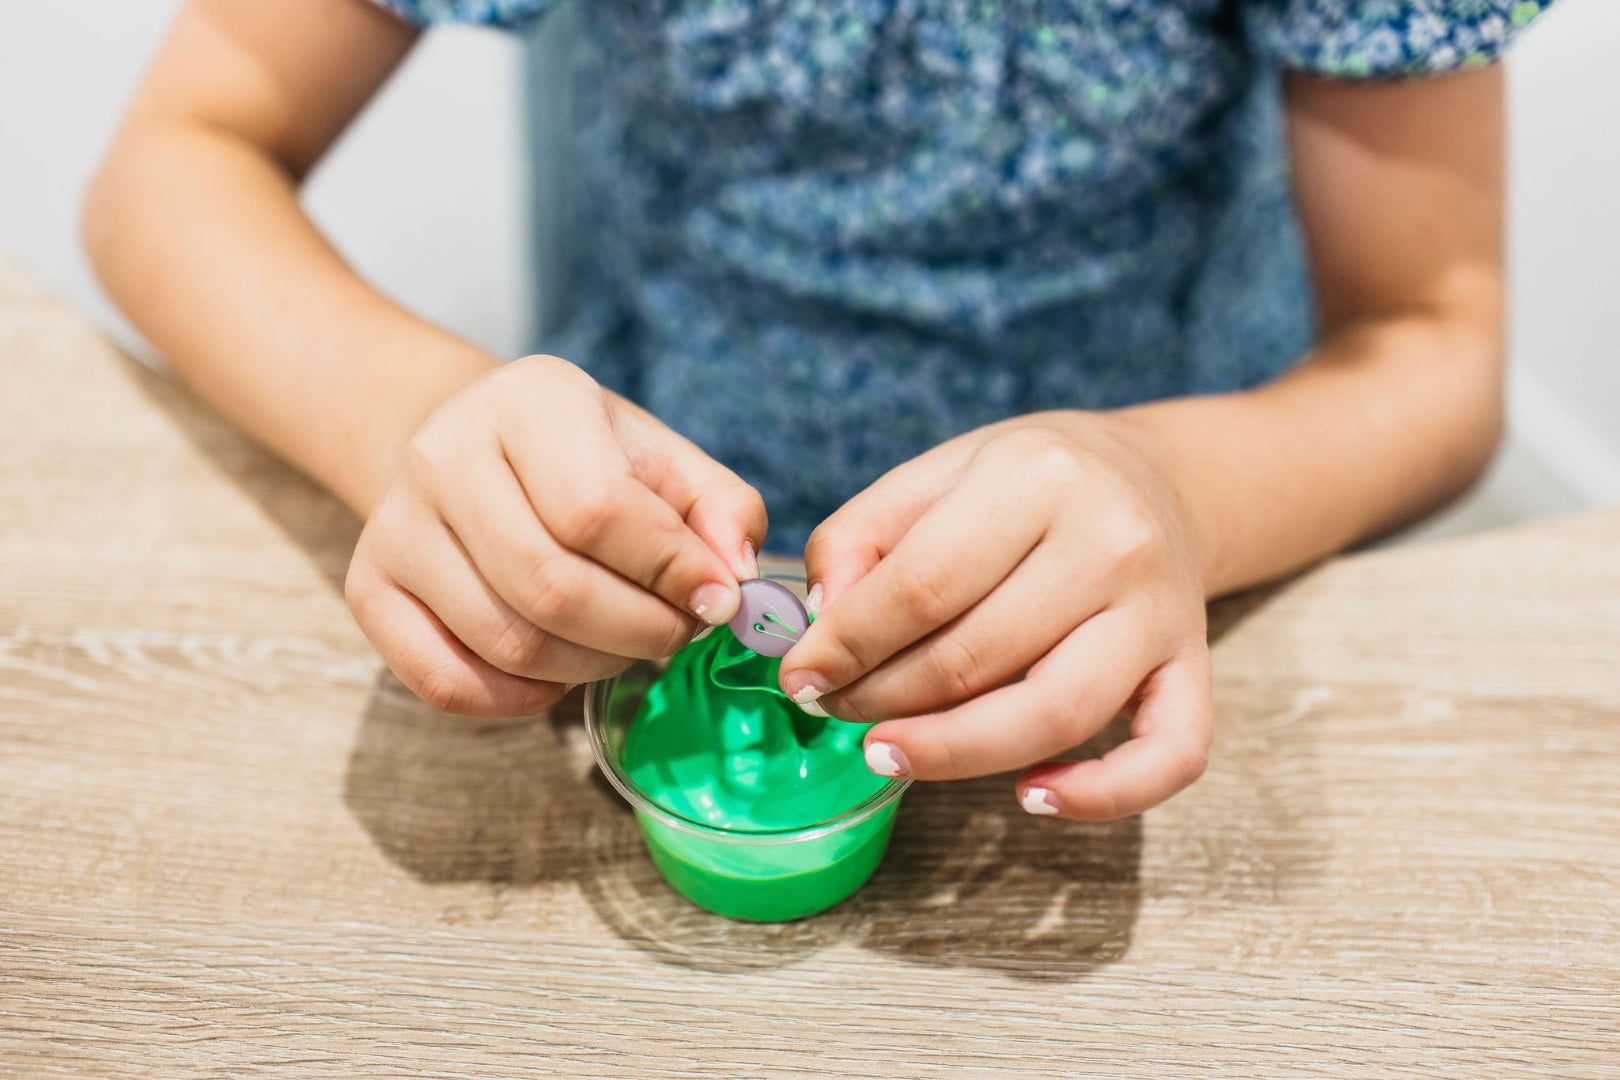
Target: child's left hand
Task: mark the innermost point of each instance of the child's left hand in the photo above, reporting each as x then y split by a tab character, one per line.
1048	545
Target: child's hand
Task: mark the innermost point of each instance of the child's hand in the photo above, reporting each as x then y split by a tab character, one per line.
540	532
1045	544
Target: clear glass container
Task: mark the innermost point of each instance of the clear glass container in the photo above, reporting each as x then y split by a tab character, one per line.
764	875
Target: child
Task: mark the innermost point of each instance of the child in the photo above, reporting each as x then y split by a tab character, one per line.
1007	303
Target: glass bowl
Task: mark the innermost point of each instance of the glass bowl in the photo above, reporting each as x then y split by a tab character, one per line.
761	875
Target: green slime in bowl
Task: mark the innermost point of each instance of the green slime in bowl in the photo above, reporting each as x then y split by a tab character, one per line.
715	741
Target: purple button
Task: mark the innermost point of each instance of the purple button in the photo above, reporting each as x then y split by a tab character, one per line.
770	619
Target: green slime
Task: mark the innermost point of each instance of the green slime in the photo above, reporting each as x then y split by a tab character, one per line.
716	741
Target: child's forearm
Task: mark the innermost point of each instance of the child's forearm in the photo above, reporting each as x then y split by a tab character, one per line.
199	237
1399	190
1380	424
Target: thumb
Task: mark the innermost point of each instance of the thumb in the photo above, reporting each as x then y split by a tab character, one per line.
726	513
846	546
730	517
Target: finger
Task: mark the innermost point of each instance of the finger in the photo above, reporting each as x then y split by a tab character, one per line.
844	548
942	566
548	586
581	484
990	643
1066	698
429	660
1168	751
717	505
442	577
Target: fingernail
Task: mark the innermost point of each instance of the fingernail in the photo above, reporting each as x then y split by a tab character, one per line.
885	759
804	687
750	562
1036	800
812	708
812	599
713	603
703	631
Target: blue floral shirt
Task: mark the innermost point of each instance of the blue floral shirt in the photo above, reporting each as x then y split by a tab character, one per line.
821	236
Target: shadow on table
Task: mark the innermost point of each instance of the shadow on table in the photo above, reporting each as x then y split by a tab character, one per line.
970	879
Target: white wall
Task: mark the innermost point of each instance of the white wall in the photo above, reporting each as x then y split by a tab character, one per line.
428	196
1564	168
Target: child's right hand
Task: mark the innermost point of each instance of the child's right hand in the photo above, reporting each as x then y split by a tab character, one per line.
540	532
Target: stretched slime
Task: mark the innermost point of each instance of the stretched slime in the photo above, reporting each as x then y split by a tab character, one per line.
716	741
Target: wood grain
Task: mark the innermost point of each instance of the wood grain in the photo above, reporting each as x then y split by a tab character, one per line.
230	844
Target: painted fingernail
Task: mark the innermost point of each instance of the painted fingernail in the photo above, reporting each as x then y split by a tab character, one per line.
713	603
804	687
750	562
812	708
885	759
1038	800
812	599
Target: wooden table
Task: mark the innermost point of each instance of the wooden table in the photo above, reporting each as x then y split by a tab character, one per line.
230	844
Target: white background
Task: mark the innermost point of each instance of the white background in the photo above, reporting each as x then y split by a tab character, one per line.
428	196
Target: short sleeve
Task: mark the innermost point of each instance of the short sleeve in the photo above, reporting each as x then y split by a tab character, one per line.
508	14
1371	39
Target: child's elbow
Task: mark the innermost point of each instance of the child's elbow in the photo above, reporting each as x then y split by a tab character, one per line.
98	215
114	215
1490	429
1481	418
